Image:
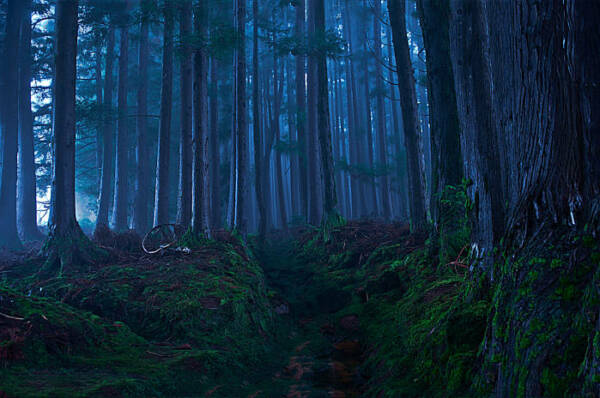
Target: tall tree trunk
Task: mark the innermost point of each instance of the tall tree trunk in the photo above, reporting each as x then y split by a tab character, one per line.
384	190
66	245
343	153
295	185
275	125
267	127
481	147
99	104
200	166
140	208
408	101
231	199
107	135
258	174
368	144
398	141
300	33
336	144
544	76
329	194
313	169
241	124
353	212
161	198
446	153
121	170
184	199
359	201
215	147
26	189
9	237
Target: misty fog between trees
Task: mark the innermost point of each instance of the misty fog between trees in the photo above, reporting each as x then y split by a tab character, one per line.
360	198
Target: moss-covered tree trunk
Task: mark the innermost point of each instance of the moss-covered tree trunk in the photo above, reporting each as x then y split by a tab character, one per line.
542	88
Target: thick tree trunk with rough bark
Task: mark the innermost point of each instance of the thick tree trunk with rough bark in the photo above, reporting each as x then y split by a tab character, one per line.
184	198
408	101
106	179
140	207
533	104
480	145
161	198
9	237
26	188
122	170
446	154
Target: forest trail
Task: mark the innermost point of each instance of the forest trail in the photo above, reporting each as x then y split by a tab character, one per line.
323	358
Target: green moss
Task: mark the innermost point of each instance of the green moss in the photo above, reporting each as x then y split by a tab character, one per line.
214	304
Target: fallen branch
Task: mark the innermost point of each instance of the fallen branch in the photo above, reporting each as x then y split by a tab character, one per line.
457	262
162	246
14	318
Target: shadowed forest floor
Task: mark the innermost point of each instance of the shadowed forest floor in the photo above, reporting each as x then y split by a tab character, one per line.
353	311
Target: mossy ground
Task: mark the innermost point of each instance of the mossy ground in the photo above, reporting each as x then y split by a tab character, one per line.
178	325
361	309
420	322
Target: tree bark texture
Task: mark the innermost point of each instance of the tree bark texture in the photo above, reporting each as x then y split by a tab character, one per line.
408	101
323	120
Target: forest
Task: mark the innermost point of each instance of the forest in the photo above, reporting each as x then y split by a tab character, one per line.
300	198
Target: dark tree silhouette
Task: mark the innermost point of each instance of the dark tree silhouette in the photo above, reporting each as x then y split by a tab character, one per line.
66	246
9	237
408	101
161	198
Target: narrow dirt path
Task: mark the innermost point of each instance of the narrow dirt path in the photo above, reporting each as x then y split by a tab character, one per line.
325	352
